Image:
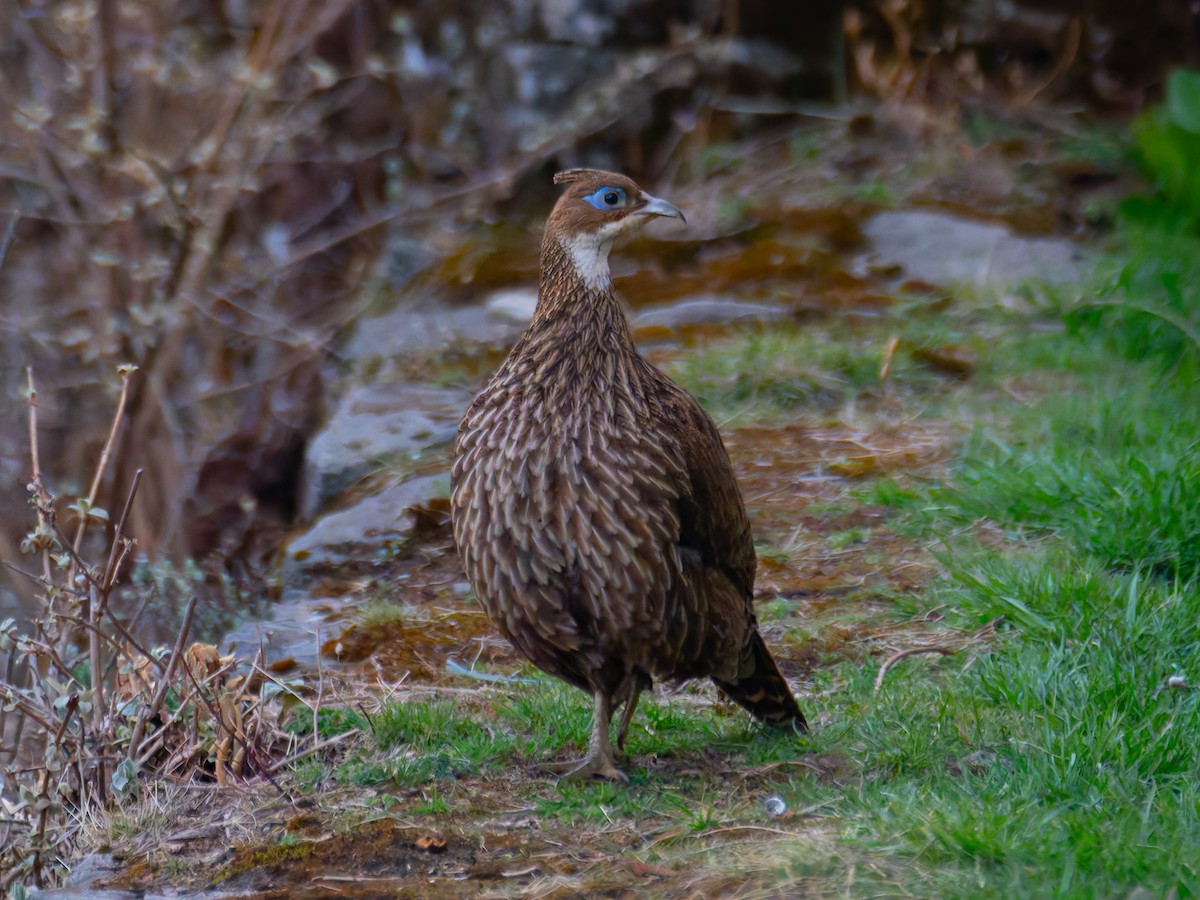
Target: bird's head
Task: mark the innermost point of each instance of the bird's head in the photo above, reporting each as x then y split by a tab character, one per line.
597	208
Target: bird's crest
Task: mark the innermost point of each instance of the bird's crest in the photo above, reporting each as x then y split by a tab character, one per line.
570	176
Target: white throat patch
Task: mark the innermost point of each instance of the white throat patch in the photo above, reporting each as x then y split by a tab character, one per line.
589	252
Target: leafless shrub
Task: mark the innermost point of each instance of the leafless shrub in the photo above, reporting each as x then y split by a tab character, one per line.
167	190
88	711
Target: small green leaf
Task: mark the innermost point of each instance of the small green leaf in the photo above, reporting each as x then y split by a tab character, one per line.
125	777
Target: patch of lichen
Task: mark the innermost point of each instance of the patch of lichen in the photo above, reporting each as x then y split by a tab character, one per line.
259	857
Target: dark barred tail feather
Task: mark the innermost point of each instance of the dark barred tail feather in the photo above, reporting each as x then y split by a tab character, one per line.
762	689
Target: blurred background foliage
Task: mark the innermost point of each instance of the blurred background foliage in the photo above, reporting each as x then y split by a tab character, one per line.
203	188
1149	309
1168	148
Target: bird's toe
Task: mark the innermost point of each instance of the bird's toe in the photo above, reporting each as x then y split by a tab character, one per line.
593	768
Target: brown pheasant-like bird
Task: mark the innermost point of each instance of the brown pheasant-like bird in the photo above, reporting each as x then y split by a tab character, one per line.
594	504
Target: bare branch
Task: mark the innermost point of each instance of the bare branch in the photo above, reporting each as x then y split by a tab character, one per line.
115	556
164	683
6	241
35	458
105	455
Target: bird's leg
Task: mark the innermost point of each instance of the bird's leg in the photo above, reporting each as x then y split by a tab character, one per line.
599	762
637	683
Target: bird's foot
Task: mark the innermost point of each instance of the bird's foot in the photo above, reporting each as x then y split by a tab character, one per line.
593	767
600	760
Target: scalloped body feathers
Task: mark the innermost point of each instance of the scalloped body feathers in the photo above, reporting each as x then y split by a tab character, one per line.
593	502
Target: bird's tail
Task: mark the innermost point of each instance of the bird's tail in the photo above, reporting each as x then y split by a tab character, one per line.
761	688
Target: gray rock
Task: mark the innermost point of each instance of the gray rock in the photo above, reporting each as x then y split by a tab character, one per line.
93	868
375	425
87	877
362	530
294	630
571	20
513	304
404	258
945	249
704	310
424	329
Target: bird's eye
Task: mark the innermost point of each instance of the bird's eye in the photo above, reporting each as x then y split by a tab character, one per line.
607	198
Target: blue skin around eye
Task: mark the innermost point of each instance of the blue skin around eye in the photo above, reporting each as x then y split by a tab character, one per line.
597	199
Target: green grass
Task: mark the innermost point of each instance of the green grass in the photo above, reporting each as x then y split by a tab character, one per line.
1114	469
1059	764
420	742
1062	762
766	373
331	721
428	740
771	376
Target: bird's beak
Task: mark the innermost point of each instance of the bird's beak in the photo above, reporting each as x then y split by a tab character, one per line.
656	207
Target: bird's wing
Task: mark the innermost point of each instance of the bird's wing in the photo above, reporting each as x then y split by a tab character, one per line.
712	517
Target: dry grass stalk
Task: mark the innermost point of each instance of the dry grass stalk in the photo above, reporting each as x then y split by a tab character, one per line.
952	644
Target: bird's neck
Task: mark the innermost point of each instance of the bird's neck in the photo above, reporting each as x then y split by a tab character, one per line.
576	301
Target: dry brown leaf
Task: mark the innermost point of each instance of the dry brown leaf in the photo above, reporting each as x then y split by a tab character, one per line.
647	870
431	843
203	660
134	678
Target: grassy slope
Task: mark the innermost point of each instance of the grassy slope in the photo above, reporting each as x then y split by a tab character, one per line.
1055	755
1061	761
1084	723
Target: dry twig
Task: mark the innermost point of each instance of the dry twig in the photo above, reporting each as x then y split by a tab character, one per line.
903	654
